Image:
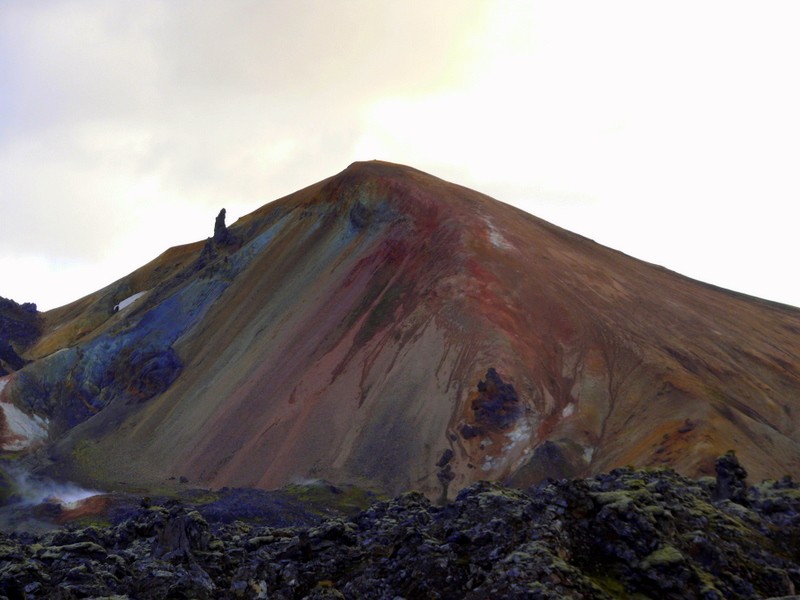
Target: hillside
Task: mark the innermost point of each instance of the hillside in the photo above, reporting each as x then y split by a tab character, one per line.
387	328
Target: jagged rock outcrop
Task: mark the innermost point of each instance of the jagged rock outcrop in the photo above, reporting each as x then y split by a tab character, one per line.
20	327
628	533
221	234
731	479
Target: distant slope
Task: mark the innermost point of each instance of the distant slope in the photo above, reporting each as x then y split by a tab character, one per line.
344	331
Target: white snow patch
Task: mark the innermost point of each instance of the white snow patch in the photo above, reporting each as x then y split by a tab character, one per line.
568	410
520	434
588	453
496	238
28	429
489	463
129	300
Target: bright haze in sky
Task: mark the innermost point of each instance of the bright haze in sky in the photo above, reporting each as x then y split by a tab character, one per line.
667	130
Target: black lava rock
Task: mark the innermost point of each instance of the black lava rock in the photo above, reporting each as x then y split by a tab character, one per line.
629	533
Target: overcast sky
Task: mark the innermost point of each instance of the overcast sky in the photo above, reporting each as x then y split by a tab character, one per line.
667	130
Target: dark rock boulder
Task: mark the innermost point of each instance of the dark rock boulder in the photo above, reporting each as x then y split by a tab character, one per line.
496	406
181	536
731	479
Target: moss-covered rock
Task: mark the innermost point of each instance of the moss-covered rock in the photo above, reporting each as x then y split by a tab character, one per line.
627	534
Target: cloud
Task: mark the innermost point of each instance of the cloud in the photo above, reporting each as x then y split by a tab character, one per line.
124	127
210	101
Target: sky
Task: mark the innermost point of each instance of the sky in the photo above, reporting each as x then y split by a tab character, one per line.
667	130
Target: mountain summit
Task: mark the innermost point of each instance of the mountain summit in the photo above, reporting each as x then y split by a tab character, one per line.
388	328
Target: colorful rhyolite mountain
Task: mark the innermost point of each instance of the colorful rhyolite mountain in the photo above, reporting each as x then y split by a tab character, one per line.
387	328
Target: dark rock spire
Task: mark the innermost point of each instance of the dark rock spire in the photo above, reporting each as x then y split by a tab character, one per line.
221	235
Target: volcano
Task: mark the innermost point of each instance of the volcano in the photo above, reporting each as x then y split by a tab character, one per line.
387	328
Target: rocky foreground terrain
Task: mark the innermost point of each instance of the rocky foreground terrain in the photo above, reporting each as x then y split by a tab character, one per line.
627	534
